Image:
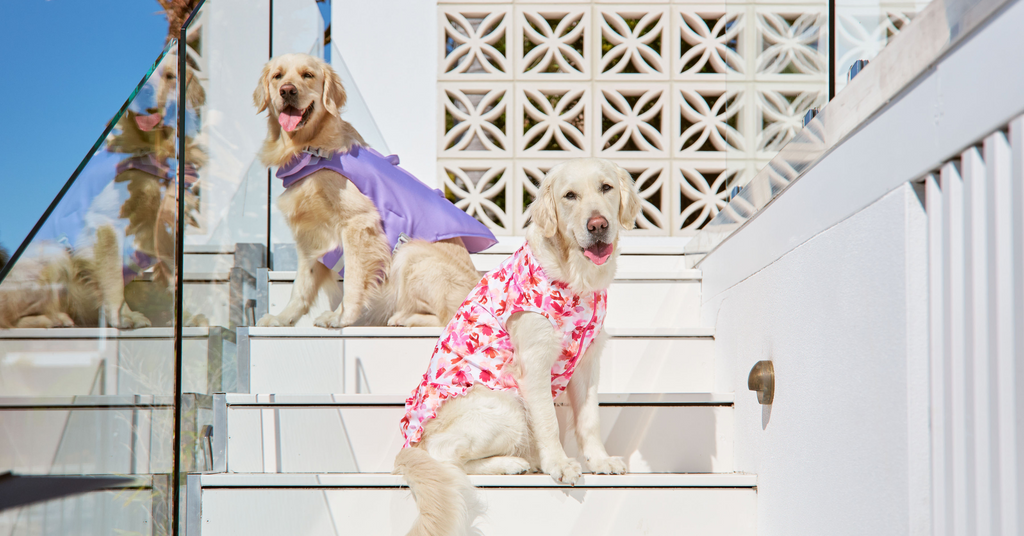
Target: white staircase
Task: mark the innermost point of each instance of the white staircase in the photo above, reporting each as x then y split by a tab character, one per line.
308	443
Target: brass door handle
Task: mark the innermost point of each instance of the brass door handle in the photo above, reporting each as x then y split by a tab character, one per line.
762	380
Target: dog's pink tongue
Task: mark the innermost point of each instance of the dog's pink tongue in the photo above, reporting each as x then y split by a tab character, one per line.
148	122
290	118
599	253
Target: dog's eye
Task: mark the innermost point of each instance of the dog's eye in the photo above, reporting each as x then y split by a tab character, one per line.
570	196
307	75
278	76
606	188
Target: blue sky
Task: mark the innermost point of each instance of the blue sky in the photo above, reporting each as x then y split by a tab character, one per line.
67	66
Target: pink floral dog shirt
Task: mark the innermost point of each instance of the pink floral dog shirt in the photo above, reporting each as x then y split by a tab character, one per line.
476	348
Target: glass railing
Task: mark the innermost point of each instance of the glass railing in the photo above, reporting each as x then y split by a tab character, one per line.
850	36
863	28
89	342
87	376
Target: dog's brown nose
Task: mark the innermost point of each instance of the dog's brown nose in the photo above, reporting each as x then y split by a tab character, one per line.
288	89
597	224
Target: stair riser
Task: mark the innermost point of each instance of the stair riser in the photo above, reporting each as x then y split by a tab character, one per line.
77	361
653	439
514	512
627	264
396	365
87	441
636	303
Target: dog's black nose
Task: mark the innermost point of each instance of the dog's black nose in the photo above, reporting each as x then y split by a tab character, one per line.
597	224
288	89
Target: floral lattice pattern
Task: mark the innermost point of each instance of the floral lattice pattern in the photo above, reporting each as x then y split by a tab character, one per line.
475	120
709	121
554	120
633	42
692	99
702	194
481	190
782	116
475	43
790	43
862	34
709	43
554	43
633	120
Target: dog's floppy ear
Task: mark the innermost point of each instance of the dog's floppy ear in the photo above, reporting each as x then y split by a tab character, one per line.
334	92
261	96
542	210
629	202
194	92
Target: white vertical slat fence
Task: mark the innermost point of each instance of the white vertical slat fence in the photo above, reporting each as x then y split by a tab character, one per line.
976	278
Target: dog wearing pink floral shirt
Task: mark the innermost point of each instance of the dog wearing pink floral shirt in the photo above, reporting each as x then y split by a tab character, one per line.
531	329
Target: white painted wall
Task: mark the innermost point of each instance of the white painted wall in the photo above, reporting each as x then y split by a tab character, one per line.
235	47
838	451
830	282
390	50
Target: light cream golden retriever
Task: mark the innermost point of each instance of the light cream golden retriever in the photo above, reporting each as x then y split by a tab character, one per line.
425	282
576	222
61	289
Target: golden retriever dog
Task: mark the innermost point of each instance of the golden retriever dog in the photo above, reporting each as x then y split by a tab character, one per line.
61	289
576	221
425	281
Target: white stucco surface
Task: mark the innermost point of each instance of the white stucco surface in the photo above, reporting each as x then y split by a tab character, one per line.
840	450
236	45
390	51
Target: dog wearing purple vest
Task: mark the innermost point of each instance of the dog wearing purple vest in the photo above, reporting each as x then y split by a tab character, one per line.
402	247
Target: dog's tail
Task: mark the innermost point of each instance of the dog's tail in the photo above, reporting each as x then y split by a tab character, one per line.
442	491
381	303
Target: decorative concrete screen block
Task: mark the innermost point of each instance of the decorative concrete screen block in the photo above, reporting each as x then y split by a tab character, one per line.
555	43
862	30
475	42
554	120
475	119
690	98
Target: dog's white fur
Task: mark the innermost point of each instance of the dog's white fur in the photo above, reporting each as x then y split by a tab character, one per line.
425	282
498	432
61	289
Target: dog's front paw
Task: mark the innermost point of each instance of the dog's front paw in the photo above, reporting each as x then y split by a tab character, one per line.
269	321
566	471
332	320
133	320
612	465
197	321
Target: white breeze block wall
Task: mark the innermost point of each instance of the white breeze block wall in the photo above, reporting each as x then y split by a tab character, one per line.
844	447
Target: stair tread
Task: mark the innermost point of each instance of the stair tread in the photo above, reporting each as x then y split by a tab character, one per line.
606	399
87	401
102	333
628	245
383	480
394	332
628	275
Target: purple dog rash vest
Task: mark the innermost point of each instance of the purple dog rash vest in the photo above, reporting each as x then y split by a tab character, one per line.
408	208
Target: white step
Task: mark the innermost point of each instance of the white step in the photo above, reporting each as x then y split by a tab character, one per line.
655	433
107	434
653	285
73	361
257	505
652	299
393	360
